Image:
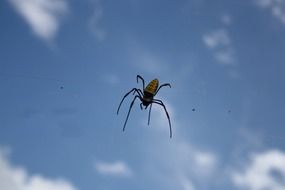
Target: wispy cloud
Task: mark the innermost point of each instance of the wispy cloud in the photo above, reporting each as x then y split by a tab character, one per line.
176	160
205	160
15	177
95	21
265	171
181	164
226	19
110	78
146	60
117	168
186	183
43	16
277	8
149	62
216	39
220	44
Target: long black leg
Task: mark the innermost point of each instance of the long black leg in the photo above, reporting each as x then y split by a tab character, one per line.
139	91
139	77
130	110
162	104
166	84
149	114
141	105
133	90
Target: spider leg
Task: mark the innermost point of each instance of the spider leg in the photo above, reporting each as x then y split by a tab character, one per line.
162	104
141	105
138	91
166	84
139	77
149	114
133	90
130	110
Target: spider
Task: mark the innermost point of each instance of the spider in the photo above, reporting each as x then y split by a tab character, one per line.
147	98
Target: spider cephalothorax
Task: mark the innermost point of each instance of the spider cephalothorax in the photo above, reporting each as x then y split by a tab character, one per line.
147	98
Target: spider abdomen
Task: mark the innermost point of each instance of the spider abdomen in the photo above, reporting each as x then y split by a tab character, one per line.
151	88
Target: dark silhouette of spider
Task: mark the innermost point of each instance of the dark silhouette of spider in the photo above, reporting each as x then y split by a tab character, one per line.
147	98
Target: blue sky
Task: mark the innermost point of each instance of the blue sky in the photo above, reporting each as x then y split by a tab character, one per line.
66	64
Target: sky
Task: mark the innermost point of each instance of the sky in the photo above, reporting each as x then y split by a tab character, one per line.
65	65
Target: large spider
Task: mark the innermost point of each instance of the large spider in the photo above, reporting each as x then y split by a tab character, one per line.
147	98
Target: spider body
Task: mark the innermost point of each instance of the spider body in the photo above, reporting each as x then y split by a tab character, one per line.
149	92
147	98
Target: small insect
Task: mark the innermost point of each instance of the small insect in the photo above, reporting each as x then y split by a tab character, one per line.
147	98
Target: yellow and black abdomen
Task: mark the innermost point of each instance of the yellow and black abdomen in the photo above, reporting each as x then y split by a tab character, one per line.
151	88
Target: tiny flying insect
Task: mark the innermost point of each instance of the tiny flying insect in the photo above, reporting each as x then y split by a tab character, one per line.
147	98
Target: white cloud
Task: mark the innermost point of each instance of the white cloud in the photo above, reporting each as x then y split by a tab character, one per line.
187	184
95	21
149	62
226	19
176	162
146	60
199	163
117	168
205	160
220	44
43	16
17	178
110	78
225	56
277	8
264	3
259	173
217	38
